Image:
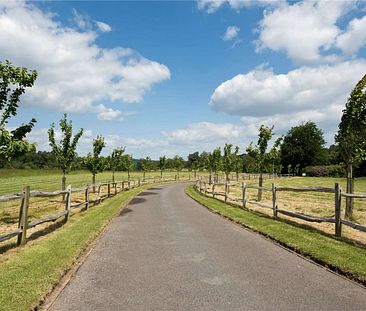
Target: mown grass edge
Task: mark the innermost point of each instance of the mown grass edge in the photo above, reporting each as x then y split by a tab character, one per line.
30	273
336	255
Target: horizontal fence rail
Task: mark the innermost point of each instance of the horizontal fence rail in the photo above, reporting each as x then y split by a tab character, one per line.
201	186
111	189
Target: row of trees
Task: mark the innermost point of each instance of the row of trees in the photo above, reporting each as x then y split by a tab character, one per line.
301	147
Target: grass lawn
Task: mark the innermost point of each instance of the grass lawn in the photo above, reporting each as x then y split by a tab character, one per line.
28	273
338	255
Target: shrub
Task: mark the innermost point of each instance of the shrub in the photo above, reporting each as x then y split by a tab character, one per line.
325	171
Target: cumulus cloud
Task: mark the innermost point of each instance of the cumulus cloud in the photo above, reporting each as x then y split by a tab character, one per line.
231	33
75	74
261	92
211	6
354	38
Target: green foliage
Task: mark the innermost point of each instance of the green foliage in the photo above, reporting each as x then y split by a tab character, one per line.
303	146
229	159
162	163
351	136
325	171
203	161
93	162
146	164
116	159
194	161
178	163
258	152
65	151
13	82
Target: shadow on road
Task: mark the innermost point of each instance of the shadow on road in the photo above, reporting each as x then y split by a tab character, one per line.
126	210
155	188
137	200
146	193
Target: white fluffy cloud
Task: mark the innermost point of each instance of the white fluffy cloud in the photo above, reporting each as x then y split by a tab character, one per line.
231	33
75	74
211	6
261	92
354	38
103	27
308	31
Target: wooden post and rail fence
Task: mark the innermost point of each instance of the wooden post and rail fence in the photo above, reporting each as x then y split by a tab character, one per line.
337	220
24	197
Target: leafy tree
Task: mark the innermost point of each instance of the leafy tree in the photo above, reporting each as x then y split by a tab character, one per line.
302	146
178	163
193	162
93	161
65	151
13	82
214	163
128	164
258	152
146	165
238	163
229	160
203	161
162	165
116	160
275	155
351	136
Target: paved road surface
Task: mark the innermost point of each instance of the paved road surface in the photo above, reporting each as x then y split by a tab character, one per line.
166	252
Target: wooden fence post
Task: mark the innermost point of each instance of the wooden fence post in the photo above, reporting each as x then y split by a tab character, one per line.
129	185
226	191
213	189
109	188
87	197
274	200
338	205
68	203
115	188
244	188
23	214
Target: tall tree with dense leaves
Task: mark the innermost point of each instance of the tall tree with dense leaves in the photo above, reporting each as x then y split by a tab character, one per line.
351	136
214	163
302	146
13	82
116	160
162	165
259	152
65	151
193	162
238	163
93	161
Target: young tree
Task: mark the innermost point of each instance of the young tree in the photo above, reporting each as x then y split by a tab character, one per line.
162	165
93	161
351	136
228	160
302	146
238	163
146	165
128	164
116	160
178	163
275	155
65	151
258	152
214	163
13	82
193	162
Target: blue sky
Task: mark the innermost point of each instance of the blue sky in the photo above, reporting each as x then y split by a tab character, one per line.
176	77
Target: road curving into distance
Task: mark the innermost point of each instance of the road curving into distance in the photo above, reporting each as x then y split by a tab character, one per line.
166	252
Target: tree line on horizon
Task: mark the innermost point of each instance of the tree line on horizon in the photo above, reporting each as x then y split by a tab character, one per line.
302	149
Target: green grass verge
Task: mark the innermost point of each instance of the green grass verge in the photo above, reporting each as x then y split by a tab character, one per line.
28	273
337	255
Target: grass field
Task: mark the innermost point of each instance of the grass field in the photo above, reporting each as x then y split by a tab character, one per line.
310	203
336	254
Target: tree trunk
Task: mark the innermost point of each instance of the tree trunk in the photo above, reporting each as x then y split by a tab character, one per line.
350	187
237	176
195	174
128	174
144	176
93	181
161	173
260	185
113	176
210	178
